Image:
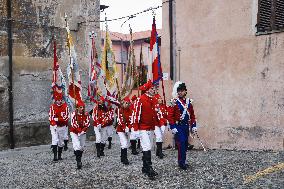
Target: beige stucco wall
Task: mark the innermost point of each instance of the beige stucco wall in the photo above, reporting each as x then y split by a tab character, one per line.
235	77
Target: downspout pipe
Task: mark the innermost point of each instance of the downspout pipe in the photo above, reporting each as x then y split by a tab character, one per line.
171	40
10	77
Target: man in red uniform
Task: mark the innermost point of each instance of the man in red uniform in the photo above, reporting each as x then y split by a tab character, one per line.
123	127
109	124
162	121
133	139
80	121
144	124
99	116
182	119
58	118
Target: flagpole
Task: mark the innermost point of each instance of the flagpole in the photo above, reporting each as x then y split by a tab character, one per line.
139	70
70	61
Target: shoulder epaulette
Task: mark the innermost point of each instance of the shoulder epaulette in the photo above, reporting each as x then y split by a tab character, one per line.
172	102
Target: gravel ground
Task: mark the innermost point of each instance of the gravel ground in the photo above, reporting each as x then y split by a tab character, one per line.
32	167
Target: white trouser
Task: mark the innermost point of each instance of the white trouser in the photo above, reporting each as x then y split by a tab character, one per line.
103	135
98	134
78	141
145	137
123	140
66	133
132	136
109	131
57	135
158	134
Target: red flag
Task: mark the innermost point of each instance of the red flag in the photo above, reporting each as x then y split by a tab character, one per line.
155	52
92	87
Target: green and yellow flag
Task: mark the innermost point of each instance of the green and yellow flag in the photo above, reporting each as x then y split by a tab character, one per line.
108	66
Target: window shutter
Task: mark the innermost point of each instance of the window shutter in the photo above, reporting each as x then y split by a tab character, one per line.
279	15
264	15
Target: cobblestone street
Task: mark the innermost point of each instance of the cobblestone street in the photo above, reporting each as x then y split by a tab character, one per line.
32	167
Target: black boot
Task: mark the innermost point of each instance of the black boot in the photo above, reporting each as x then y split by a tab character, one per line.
124	159
190	146
138	144
78	158
109	142
159	151
102	148
98	147
54	150
150	171
149	162
65	145
145	169
60	153
133	147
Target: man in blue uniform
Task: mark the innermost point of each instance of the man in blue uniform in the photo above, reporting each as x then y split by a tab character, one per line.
182	119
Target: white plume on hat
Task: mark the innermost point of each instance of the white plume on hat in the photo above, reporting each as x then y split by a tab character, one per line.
174	93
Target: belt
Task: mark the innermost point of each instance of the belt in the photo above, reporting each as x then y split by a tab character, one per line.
182	123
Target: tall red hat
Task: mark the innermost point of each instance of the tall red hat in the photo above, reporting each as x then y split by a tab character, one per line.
58	96
146	86
134	97
80	103
126	99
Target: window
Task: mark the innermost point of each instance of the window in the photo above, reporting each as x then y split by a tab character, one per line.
270	16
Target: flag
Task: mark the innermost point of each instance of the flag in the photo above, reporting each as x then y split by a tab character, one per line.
74	79
108	66
155	55
131	75
94	70
58	81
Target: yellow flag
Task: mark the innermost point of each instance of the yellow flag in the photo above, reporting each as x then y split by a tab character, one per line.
108	65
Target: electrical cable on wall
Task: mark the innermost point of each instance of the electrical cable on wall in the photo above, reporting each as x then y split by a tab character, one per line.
28	23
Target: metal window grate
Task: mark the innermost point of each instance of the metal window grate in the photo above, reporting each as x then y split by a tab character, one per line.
279	15
270	15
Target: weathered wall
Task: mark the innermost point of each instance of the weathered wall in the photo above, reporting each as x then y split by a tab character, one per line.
35	22
235	77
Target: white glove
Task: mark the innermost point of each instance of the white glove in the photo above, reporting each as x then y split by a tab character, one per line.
82	133
194	129
126	129
163	128
174	131
54	127
56	119
99	126
136	134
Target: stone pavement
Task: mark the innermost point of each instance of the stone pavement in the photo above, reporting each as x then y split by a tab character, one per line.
32	167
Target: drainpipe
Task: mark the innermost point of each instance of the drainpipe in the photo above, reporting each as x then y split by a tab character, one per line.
171	40
10	78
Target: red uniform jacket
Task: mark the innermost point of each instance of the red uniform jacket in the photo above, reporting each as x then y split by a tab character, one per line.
145	116
175	114
123	119
100	117
59	112
162	114
110	116
79	122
